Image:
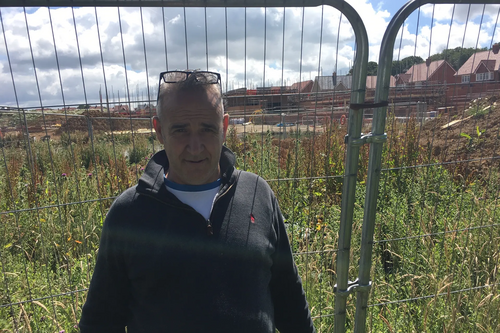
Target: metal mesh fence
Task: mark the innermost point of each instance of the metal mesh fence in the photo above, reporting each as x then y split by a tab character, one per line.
76	132
78	92
436	241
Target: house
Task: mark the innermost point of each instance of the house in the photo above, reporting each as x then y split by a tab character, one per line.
371	82
481	66
435	72
120	108
329	83
402	80
341	87
145	109
302	87
236	92
344	82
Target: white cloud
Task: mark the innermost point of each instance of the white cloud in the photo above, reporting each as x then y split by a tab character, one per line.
460	12
299	58
375	20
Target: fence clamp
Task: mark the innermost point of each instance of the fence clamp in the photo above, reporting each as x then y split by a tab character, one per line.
353	286
366	138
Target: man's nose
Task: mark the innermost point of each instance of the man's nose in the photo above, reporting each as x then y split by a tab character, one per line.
195	145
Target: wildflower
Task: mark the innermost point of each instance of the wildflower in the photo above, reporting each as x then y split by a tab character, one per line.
63	331
63	175
142	169
89	175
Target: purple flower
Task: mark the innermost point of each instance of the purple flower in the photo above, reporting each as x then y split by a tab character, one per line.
142	169
63	331
89	175
64	175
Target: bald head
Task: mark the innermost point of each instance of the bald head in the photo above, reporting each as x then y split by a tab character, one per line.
172	93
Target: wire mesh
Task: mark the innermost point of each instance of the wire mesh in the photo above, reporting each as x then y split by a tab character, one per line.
76	131
436	257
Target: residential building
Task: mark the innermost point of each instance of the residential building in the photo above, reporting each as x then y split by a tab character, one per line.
402	80
371	82
329	83
429	73
344	82
481	66
120	108
302	87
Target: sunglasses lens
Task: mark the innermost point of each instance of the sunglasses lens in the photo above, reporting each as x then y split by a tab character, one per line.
200	77
174	76
206	77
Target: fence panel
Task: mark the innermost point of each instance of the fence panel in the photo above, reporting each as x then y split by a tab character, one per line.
79	85
436	254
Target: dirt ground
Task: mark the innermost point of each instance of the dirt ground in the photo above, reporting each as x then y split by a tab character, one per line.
472	134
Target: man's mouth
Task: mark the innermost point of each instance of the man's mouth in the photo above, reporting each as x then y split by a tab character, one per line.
195	161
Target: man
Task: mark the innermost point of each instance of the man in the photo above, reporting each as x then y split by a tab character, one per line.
196	246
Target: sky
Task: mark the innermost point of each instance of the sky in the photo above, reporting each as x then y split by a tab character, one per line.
122	50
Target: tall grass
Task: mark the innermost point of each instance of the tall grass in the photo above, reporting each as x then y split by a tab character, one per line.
54	196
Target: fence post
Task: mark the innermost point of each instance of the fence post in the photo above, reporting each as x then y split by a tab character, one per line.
343	288
376	139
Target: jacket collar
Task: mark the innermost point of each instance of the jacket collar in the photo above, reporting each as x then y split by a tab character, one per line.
152	181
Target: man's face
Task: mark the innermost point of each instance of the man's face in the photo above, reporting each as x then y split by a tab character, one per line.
192	130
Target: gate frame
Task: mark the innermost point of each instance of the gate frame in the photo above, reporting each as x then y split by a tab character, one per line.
376	139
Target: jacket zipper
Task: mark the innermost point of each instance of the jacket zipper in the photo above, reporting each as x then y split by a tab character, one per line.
210	231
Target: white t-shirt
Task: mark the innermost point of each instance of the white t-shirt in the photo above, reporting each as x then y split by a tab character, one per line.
200	197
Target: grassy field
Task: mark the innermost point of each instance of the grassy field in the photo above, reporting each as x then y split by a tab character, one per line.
437	230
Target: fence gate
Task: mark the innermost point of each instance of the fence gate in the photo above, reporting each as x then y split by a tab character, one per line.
436	248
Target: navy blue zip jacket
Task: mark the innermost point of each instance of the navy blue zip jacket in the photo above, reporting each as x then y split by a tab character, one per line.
162	267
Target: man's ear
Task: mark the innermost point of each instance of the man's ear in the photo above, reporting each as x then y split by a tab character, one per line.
157	126
225	124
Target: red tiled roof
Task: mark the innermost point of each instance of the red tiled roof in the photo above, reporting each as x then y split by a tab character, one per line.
304	86
404	77
475	60
420	72
371	82
489	64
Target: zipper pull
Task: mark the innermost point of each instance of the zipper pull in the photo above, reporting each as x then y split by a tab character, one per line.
210	231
